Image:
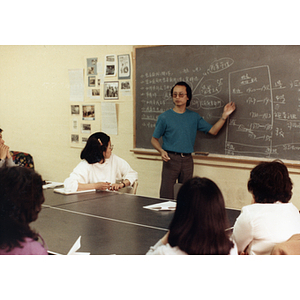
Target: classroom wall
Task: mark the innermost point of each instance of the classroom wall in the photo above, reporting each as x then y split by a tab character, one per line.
35	117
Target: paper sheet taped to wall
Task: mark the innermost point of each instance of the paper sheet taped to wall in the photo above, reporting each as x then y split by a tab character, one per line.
76	84
109	118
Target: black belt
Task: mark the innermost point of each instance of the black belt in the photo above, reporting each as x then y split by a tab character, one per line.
178	153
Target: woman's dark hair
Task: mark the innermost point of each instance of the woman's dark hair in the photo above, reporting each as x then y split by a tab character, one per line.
21	198
188	91
270	182
93	150
200	219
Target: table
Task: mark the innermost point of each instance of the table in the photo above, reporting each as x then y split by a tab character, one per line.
108	222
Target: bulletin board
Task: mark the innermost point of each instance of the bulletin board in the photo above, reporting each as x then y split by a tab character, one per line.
95	92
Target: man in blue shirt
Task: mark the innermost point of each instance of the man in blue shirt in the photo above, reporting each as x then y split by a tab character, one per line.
178	128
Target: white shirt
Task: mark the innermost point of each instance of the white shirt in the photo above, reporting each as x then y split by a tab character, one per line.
262	225
160	249
7	162
113	169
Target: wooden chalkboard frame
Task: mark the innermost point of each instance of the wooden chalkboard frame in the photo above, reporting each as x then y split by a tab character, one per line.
151	153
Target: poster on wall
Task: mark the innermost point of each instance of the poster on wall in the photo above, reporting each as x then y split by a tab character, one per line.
124	66
110	65
111	90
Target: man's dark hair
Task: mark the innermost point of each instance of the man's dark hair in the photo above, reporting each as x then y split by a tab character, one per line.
188	91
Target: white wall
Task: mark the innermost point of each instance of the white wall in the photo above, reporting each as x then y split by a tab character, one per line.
35	110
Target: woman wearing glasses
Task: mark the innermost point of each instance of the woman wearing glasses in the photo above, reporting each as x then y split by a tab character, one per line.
178	128
99	168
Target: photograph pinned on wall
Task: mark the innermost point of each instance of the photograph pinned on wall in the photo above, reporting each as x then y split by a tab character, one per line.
92	81
93	93
75	125
125	88
124	66
110	65
74	138
88	112
96	93
75	110
86	128
84	139
91	66
111	90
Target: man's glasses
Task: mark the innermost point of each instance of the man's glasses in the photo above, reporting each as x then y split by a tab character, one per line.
180	95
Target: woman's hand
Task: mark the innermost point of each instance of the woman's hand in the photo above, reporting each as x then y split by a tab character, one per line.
103	186
4	152
116	186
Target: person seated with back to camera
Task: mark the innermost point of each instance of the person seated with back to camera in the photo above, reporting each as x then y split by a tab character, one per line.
270	219
5	157
199	223
21	198
99	168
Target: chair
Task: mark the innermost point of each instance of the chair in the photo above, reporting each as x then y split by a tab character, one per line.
289	247
22	159
177	186
130	189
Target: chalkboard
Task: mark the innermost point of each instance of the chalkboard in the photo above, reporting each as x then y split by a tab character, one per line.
263	81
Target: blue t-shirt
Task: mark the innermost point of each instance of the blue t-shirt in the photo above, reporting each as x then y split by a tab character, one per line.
179	131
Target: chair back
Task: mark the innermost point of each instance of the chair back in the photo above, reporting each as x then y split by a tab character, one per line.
22	159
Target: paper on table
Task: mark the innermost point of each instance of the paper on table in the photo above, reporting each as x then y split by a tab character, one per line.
62	191
168	205
75	247
51	184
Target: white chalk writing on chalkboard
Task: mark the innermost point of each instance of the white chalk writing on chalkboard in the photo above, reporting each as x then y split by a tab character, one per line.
263	81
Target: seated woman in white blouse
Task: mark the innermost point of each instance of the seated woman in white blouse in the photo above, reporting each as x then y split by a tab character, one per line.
270	219
99	168
199	223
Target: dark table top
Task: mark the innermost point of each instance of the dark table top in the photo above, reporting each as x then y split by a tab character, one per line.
108	222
